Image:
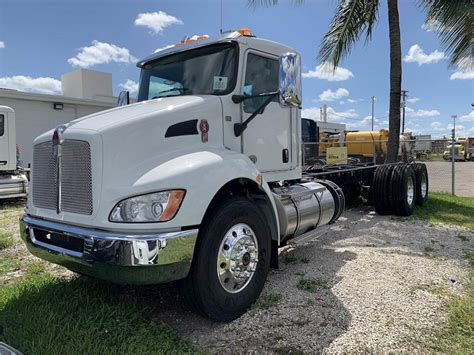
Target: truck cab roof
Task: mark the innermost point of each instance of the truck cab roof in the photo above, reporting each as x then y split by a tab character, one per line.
231	36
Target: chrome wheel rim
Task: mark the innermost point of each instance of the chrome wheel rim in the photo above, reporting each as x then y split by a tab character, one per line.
424	186
237	258
410	191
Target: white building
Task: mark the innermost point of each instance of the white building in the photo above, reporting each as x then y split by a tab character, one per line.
83	92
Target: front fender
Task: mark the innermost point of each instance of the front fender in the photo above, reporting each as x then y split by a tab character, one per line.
201	174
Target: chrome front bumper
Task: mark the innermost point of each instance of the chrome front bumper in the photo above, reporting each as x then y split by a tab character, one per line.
118	257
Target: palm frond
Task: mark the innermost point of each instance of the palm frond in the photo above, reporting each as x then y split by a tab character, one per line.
454	23
351	20
266	3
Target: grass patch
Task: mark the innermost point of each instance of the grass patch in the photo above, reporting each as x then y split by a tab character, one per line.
45	315
429	249
311	285
464	238
268	301
457	336
6	241
447	209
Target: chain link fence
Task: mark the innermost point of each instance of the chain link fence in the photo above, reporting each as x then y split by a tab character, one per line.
450	169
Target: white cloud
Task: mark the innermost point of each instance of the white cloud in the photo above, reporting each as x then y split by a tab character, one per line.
42	85
421	113
465	70
130	85
462	75
365	123
459	127
332	115
2	44
101	53
163	48
437	126
325	72
329	95
467	118
412	100
351	101
156	21
417	55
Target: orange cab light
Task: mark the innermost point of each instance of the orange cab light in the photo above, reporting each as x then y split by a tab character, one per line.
245	31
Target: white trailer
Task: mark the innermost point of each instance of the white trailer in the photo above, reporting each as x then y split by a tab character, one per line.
199	181
13	178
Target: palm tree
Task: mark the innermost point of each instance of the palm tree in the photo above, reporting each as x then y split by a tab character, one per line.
452	19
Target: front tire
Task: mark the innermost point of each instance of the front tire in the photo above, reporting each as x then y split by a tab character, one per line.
231	260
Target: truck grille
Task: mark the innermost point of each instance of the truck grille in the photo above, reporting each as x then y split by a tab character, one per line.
76	177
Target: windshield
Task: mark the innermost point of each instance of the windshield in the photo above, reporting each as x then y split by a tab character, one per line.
209	70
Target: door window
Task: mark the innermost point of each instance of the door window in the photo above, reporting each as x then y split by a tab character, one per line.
261	77
2	125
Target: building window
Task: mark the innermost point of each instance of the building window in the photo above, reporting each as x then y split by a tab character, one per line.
261	77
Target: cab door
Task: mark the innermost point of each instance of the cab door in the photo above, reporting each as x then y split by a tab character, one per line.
267	139
7	156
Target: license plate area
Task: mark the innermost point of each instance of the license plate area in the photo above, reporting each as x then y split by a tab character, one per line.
59	240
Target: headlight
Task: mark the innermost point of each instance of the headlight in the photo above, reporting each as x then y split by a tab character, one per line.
154	207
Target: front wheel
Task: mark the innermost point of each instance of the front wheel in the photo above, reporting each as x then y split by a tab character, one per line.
231	260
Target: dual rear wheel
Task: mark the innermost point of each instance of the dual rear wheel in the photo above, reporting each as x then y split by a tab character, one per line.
398	188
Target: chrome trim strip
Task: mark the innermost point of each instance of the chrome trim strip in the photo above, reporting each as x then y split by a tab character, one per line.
94	233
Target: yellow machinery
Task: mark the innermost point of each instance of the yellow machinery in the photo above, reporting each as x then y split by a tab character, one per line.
364	143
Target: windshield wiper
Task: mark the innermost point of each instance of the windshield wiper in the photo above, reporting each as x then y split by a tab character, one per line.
182	90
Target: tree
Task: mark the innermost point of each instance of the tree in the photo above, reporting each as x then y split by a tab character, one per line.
452	19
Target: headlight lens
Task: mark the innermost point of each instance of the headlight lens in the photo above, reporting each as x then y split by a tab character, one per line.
154	207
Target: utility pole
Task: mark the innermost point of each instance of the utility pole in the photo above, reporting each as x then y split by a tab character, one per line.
374	160
373	111
453	154
404	95
324	116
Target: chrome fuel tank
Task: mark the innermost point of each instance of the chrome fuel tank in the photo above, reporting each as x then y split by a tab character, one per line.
305	206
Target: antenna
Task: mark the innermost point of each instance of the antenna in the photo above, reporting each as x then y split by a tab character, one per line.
221	16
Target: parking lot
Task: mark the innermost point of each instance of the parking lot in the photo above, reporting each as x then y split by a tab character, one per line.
440	177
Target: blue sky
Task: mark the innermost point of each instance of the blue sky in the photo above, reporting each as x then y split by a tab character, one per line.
40	40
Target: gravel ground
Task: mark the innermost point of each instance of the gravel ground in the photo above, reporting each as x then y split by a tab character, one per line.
380	285
440	177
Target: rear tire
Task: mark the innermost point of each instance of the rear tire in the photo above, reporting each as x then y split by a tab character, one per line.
218	286
403	190
381	189
422	184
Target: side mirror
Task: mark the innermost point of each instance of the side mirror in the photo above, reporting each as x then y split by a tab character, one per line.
289	79
123	98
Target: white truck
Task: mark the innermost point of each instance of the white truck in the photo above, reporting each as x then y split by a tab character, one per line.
13	178
199	181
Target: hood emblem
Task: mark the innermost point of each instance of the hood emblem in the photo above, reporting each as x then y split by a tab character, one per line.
58	139
204	128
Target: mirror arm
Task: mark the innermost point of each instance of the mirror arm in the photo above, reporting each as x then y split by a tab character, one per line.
240	127
239	98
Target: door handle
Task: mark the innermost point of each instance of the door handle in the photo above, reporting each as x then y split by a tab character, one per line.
285	156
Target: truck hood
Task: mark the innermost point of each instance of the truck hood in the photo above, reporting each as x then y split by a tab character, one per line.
170	107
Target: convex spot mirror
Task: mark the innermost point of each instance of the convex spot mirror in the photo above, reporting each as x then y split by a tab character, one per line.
123	98
289	79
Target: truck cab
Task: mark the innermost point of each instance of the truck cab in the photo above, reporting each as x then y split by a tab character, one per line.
13	179
199	181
